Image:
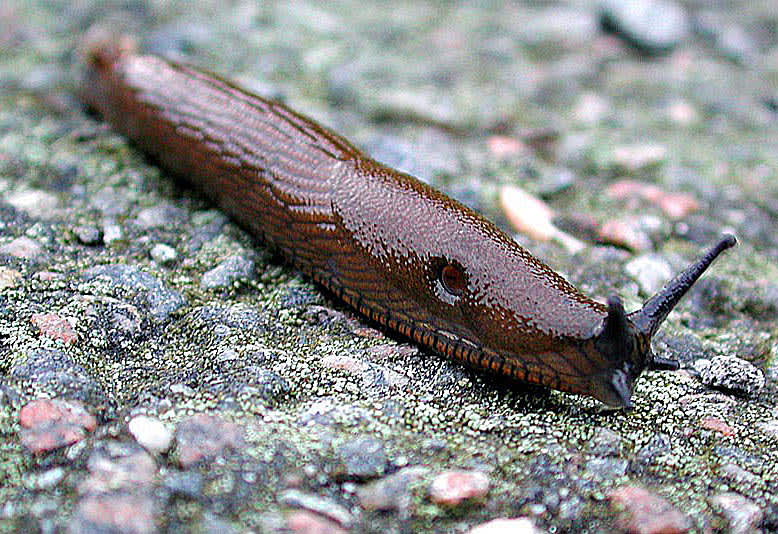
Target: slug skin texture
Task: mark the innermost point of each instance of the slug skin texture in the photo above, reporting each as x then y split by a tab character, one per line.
394	249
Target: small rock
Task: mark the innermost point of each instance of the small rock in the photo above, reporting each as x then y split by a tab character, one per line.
204	437
55	327
732	374
362	458
647	513
303	522
119	513
682	113
673	205
228	272
160	216
453	487
625	233
742	515
54	369
112	232
319	505
591	108
50	424
118	466
639	157
520	525
88	235
151	433
650	271
717	425
24	248
144	290
391	492
35	202
50	479
652	26
163	254
503	147
9	278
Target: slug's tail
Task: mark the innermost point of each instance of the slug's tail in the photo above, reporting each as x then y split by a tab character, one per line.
655	310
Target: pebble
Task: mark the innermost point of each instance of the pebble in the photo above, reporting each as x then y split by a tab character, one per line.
88	235
117	513
591	108
304	522
9	278
319	505
392	492
144	289
717	425
453	487
653	26
638	157
741	514
118	466
519	525
650	271
732	374
625	232
57	370
504	147
164	215
55	327
227	273
362	458
647	513
112	232
151	433
163	254
673	205
50	424
24	248
34	202
204	437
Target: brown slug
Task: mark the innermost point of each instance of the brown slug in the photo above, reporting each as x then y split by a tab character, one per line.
393	248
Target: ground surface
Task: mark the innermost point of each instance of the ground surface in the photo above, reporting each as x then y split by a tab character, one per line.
282	409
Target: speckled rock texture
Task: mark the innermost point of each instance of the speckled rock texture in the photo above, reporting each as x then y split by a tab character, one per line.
162	371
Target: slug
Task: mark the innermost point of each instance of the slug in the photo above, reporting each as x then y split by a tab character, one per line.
396	250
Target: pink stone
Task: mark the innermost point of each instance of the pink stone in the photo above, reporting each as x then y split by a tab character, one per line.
204	437
717	425
52	424
647	513
453	487
304	522
55	327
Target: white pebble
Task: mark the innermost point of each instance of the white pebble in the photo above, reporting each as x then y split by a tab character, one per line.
151	433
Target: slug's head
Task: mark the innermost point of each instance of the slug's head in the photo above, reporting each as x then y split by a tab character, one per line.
625	339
